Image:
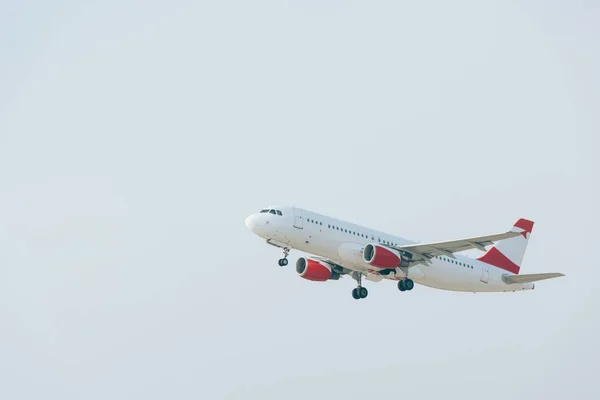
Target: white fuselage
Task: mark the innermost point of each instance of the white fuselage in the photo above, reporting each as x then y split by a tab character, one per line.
342	243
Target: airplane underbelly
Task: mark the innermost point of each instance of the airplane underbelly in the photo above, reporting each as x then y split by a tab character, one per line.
441	277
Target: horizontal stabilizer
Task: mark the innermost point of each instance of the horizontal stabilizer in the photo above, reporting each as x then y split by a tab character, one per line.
508	279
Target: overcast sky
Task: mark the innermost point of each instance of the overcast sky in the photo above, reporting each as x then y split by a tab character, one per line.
136	136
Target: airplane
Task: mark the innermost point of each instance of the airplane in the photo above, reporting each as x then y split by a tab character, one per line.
341	248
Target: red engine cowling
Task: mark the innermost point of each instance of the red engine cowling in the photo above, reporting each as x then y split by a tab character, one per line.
313	270
383	257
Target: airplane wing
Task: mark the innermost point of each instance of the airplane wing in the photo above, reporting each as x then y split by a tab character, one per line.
530	278
423	252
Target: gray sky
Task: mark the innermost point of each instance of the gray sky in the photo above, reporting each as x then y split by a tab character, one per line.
135	137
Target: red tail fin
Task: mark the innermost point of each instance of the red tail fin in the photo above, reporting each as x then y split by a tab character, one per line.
508	254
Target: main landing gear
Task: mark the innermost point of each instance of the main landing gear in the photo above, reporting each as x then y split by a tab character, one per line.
359	292
406	284
284	261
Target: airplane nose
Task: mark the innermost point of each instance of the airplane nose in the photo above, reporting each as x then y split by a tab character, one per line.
251	222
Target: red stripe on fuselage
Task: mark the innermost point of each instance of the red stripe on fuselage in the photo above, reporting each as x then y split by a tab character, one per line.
496	258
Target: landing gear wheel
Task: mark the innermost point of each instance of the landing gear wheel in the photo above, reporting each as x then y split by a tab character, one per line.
283	261
359	292
402	286
409	284
362	292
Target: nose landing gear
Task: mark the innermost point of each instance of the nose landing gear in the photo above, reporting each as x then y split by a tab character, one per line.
284	261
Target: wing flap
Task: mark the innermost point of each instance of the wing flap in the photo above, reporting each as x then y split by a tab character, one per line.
425	251
508	279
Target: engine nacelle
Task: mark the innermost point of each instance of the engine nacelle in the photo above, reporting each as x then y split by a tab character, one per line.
315	270
383	257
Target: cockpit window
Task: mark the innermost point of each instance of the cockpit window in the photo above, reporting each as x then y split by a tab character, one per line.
270	211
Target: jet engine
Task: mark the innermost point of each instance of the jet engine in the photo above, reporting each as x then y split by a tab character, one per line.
315	270
383	257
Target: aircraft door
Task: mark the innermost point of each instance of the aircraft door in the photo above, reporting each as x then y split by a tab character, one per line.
485	274
298	219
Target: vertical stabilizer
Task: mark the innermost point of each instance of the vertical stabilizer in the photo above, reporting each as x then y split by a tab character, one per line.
508	254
